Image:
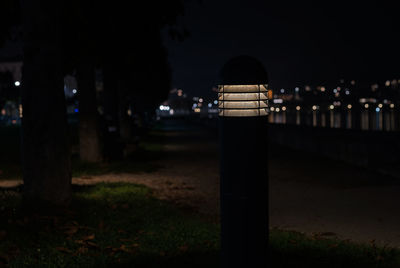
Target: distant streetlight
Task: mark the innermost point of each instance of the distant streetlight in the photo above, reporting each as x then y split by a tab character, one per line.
17	83
243	104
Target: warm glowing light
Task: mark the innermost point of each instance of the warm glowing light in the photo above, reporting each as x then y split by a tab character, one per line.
314	107
366	106
201	100
277	110
283	108
243	100
298	108
349	106
197	110
353	82
323	89
272	109
180	92
380	105
331	107
387	83
392	105
129	112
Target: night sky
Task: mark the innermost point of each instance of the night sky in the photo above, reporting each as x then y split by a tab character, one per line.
299	43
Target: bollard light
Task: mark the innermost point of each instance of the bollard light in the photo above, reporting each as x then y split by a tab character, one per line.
243	109
243	100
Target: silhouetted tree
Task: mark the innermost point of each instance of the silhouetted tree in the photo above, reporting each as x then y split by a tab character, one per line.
134	60
45	149
9	16
82	48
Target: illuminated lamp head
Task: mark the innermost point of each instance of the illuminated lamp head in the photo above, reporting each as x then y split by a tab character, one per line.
243	91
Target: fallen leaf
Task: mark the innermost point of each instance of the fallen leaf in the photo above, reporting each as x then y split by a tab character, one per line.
71	230
64	250
89	237
124	248
92	244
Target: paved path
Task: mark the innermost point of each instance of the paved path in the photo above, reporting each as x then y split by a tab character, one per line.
313	194
307	193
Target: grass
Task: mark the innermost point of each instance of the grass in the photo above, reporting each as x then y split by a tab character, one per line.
123	225
107	225
294	249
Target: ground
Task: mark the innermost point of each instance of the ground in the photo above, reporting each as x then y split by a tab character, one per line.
307	193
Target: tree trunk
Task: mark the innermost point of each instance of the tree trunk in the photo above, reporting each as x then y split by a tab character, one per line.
124	120
113	147
89	135
45	148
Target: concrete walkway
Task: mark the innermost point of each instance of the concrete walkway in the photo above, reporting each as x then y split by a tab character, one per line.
313	194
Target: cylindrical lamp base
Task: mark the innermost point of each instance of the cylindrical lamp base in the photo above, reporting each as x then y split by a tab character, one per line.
244	190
